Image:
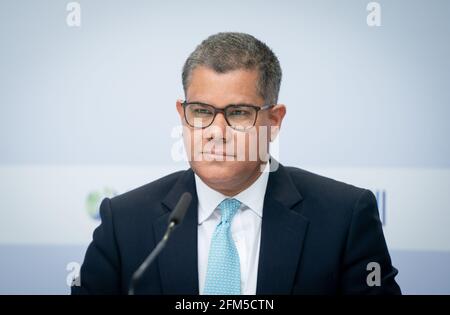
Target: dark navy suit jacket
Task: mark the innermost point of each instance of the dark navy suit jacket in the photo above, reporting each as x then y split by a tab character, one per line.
318	236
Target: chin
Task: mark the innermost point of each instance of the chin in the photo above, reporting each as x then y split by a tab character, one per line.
220	172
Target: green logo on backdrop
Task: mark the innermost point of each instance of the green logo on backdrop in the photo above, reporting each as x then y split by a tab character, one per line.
94	199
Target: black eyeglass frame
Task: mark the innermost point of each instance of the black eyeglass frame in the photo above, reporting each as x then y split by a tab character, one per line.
222	110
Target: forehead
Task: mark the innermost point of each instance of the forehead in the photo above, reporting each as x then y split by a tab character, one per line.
220	89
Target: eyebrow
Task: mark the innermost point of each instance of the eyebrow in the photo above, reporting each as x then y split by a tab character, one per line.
234	104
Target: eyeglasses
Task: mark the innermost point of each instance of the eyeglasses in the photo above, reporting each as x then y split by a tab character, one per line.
238	116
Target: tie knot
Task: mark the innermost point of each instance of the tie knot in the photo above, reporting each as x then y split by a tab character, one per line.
228	207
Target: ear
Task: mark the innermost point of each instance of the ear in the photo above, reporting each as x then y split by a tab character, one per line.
180	109
276	116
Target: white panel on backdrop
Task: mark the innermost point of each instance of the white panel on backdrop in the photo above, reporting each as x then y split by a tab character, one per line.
58	204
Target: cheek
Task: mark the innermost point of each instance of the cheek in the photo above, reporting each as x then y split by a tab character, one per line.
189	140
253	144
193	141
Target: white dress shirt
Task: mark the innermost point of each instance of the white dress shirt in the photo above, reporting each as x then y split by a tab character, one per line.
245	228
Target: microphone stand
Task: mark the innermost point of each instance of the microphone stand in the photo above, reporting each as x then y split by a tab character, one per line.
143	267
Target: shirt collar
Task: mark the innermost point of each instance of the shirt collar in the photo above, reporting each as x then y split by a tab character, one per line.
252	198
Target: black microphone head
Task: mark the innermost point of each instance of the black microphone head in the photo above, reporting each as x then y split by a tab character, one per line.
177	215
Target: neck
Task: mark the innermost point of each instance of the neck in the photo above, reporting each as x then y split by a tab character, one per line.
233	191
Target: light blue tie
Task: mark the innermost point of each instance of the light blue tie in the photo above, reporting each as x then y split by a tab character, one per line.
223	275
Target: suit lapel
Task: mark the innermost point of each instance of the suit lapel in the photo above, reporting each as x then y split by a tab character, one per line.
282	234
178	261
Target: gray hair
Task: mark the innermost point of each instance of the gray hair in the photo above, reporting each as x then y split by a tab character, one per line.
229	51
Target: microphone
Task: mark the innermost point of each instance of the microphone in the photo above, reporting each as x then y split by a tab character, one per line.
176	217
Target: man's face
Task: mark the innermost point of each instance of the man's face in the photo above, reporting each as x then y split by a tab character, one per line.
222	157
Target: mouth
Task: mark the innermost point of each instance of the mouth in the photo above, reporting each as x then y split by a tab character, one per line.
218	154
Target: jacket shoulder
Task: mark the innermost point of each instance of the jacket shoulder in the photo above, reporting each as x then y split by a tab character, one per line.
324	189
148	196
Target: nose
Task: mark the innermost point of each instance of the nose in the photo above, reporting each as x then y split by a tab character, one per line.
218	129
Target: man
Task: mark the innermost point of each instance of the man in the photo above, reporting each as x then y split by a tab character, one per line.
253	226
